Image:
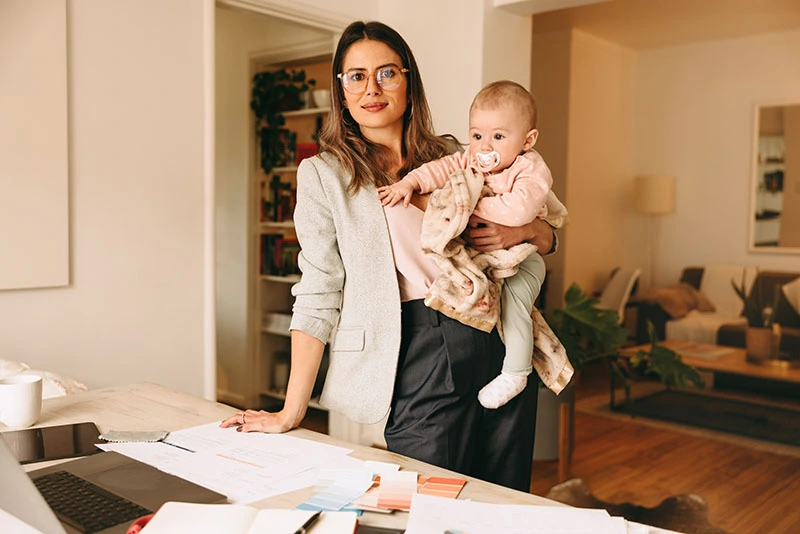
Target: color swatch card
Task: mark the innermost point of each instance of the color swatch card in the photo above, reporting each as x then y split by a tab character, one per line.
448	488
336	488
396	490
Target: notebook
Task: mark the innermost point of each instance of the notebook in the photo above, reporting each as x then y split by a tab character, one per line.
114	473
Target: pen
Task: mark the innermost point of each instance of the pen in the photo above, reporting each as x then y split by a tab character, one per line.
176	446
309	523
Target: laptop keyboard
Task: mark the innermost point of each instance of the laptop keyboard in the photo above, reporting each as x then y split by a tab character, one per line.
83	505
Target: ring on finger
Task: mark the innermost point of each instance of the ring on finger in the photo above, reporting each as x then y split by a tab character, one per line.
243	416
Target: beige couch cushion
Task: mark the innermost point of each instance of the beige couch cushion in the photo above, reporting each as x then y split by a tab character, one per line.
717	286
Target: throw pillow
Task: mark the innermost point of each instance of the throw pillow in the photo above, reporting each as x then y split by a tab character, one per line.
679	299
703	302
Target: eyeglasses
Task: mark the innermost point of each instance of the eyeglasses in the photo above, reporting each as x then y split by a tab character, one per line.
355	81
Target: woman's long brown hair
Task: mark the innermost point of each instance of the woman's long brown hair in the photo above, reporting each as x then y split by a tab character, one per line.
369	163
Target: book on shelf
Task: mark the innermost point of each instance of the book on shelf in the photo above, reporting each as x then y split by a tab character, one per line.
278	199
279	255
289	250
236	519
268	264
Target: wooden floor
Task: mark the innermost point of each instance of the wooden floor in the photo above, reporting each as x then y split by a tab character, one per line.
748	490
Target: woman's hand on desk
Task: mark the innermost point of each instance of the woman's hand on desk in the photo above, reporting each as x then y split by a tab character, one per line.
306	357
259	421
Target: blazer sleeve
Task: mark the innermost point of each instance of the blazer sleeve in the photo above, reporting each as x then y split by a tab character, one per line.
318	295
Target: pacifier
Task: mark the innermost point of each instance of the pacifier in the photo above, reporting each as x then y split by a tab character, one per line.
487	160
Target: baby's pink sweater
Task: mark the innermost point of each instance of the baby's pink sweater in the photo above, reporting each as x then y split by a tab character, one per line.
520	190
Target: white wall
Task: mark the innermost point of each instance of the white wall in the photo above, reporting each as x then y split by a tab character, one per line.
600	141
584	91
506	45
694	119
445	37
135	308
551	60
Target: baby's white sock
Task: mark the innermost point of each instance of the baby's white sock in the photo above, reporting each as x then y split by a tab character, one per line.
501	390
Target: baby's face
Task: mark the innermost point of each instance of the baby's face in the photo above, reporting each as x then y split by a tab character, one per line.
499	130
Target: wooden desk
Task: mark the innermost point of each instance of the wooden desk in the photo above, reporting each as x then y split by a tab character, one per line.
148	406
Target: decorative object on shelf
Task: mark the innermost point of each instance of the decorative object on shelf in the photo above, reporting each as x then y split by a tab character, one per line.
321	98
306	150
763	335
274	92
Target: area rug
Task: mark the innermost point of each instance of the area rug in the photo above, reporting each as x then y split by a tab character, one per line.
771	423
680	513
597	405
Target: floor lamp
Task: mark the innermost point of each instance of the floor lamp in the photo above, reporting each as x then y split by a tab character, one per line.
653	195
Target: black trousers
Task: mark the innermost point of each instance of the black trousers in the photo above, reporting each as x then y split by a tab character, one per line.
436	416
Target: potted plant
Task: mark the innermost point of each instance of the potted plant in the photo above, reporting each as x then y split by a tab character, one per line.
763	335
589	333
274	92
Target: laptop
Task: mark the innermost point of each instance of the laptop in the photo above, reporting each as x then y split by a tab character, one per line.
113	473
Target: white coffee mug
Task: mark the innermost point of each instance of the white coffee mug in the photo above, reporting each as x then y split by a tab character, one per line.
20	400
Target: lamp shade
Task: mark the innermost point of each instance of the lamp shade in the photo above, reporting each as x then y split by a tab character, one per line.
654	194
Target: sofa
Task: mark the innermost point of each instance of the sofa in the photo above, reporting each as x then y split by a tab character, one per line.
725	325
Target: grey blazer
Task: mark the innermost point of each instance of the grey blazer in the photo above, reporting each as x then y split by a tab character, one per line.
348	294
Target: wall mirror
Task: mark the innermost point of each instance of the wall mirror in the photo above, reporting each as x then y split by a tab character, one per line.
775	193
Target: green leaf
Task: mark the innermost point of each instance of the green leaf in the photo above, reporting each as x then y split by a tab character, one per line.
587	332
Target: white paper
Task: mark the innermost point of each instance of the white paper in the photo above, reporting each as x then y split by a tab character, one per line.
245	467
435	515
233	519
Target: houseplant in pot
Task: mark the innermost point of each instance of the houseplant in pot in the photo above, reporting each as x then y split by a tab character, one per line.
590	333
274	92
762	336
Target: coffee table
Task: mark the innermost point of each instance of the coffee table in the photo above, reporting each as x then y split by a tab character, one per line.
740	397
718	358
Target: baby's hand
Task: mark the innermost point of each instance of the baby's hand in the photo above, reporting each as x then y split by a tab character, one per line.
389	195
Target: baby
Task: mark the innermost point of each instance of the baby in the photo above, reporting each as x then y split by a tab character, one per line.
502	131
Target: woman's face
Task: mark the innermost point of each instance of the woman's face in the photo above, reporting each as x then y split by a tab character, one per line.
378	111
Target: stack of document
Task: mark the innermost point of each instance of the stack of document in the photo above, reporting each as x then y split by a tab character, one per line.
234	519
245	467
434	515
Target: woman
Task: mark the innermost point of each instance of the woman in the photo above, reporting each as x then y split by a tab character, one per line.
360	261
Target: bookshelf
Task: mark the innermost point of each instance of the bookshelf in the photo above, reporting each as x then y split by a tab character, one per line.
275	243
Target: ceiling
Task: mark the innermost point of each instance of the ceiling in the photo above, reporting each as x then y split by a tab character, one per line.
640	24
